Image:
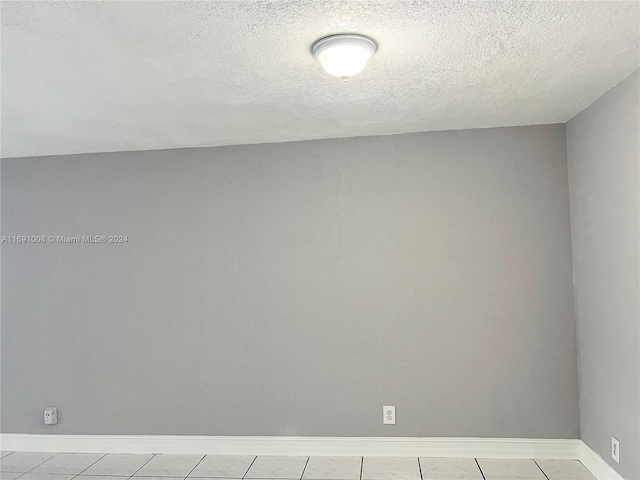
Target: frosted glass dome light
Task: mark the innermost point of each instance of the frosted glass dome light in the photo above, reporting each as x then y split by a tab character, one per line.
344	55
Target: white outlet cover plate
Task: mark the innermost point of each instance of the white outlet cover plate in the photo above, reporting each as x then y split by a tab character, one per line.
615	449
389	415
50	416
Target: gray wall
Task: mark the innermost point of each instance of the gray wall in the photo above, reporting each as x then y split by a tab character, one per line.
603	145
295	288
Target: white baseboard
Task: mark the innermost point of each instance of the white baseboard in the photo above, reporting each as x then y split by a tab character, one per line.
319	446
596	465
559	449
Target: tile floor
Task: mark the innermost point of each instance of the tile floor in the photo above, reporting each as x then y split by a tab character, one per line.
85	466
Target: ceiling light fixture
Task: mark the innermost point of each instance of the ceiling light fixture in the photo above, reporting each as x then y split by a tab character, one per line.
344	55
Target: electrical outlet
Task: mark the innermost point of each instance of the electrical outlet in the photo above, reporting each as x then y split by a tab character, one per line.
389	415
50	416
615	449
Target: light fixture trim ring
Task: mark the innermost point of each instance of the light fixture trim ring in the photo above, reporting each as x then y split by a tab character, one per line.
341	39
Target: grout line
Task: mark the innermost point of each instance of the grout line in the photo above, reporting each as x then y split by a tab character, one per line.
361	466
305	467
142	466
195	466
420	468
103	455
254	461
29	471
540	468
580	461
481	472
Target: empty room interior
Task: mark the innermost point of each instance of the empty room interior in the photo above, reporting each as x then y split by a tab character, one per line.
320	240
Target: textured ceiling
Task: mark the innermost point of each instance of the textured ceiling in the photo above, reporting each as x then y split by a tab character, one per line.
112	76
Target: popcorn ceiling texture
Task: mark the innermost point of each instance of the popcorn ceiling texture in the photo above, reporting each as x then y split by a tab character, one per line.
113	76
